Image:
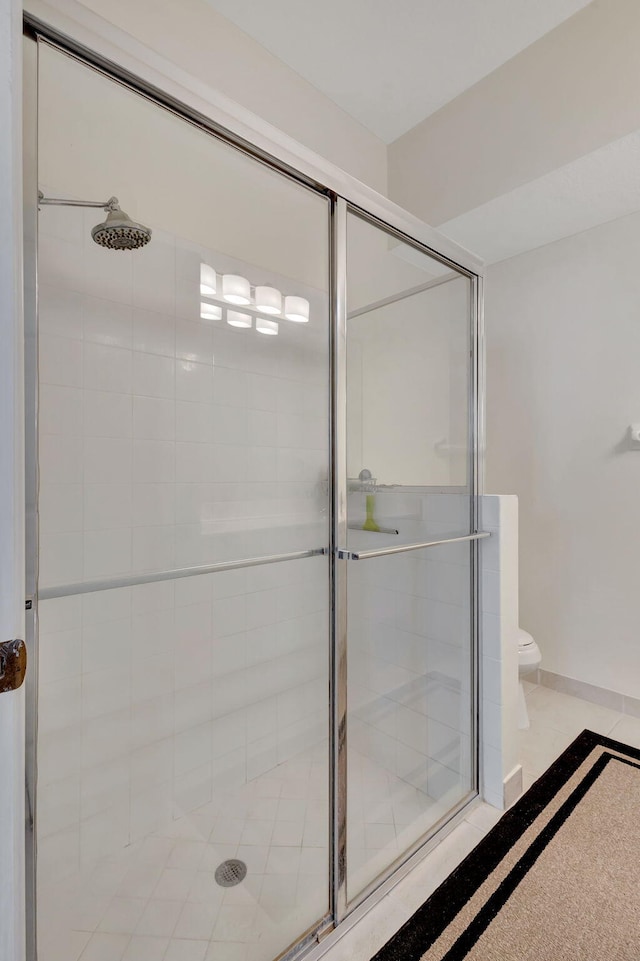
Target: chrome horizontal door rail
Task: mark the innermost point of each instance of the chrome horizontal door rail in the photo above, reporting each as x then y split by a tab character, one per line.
134	580
345	554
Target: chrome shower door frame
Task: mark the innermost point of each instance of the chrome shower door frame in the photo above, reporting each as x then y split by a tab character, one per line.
398	227
345	194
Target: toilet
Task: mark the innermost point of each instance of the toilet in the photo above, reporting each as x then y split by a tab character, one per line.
529	658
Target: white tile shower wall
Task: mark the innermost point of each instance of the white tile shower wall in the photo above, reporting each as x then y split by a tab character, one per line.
154	697
409	635
166	441
499	661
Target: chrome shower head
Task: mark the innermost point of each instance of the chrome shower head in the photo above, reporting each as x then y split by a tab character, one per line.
119	231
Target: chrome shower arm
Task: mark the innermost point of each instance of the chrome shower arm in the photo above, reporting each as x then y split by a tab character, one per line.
118	232
111	204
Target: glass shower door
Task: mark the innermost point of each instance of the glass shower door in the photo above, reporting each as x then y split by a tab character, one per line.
410	662
202	646
183	762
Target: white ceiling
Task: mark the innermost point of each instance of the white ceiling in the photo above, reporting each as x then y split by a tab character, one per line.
391	63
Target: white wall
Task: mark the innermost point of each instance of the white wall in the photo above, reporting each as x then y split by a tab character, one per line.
11	483
568	94
563	342
195	40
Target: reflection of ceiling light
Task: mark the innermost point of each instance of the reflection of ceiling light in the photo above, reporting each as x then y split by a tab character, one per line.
296	309
236	289
238	320
208	281
268	300
264	326
210	311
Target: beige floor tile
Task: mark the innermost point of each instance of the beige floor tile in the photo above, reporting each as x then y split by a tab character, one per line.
568	714
539	747
627	730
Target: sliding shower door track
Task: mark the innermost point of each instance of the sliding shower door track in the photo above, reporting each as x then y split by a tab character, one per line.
150	577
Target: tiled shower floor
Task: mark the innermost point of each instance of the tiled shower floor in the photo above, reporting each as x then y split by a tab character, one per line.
158	900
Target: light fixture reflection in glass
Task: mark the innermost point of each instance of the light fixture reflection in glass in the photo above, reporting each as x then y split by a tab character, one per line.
235	319
236	289
268	300
208	281
296	309
210	311
266	326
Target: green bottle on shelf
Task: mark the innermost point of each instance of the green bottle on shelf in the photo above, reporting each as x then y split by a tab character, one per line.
370	524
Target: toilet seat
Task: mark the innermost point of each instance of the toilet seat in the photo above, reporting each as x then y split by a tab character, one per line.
524	639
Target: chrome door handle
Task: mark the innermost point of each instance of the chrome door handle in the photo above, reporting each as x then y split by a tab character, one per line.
348	555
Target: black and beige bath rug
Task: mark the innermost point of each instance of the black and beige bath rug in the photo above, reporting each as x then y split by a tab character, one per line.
557	879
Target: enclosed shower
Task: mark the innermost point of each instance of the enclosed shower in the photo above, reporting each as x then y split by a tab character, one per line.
253	535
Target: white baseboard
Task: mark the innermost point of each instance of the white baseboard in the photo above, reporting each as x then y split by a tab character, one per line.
590	692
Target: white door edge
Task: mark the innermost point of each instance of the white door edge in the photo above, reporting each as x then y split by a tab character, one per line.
12	703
